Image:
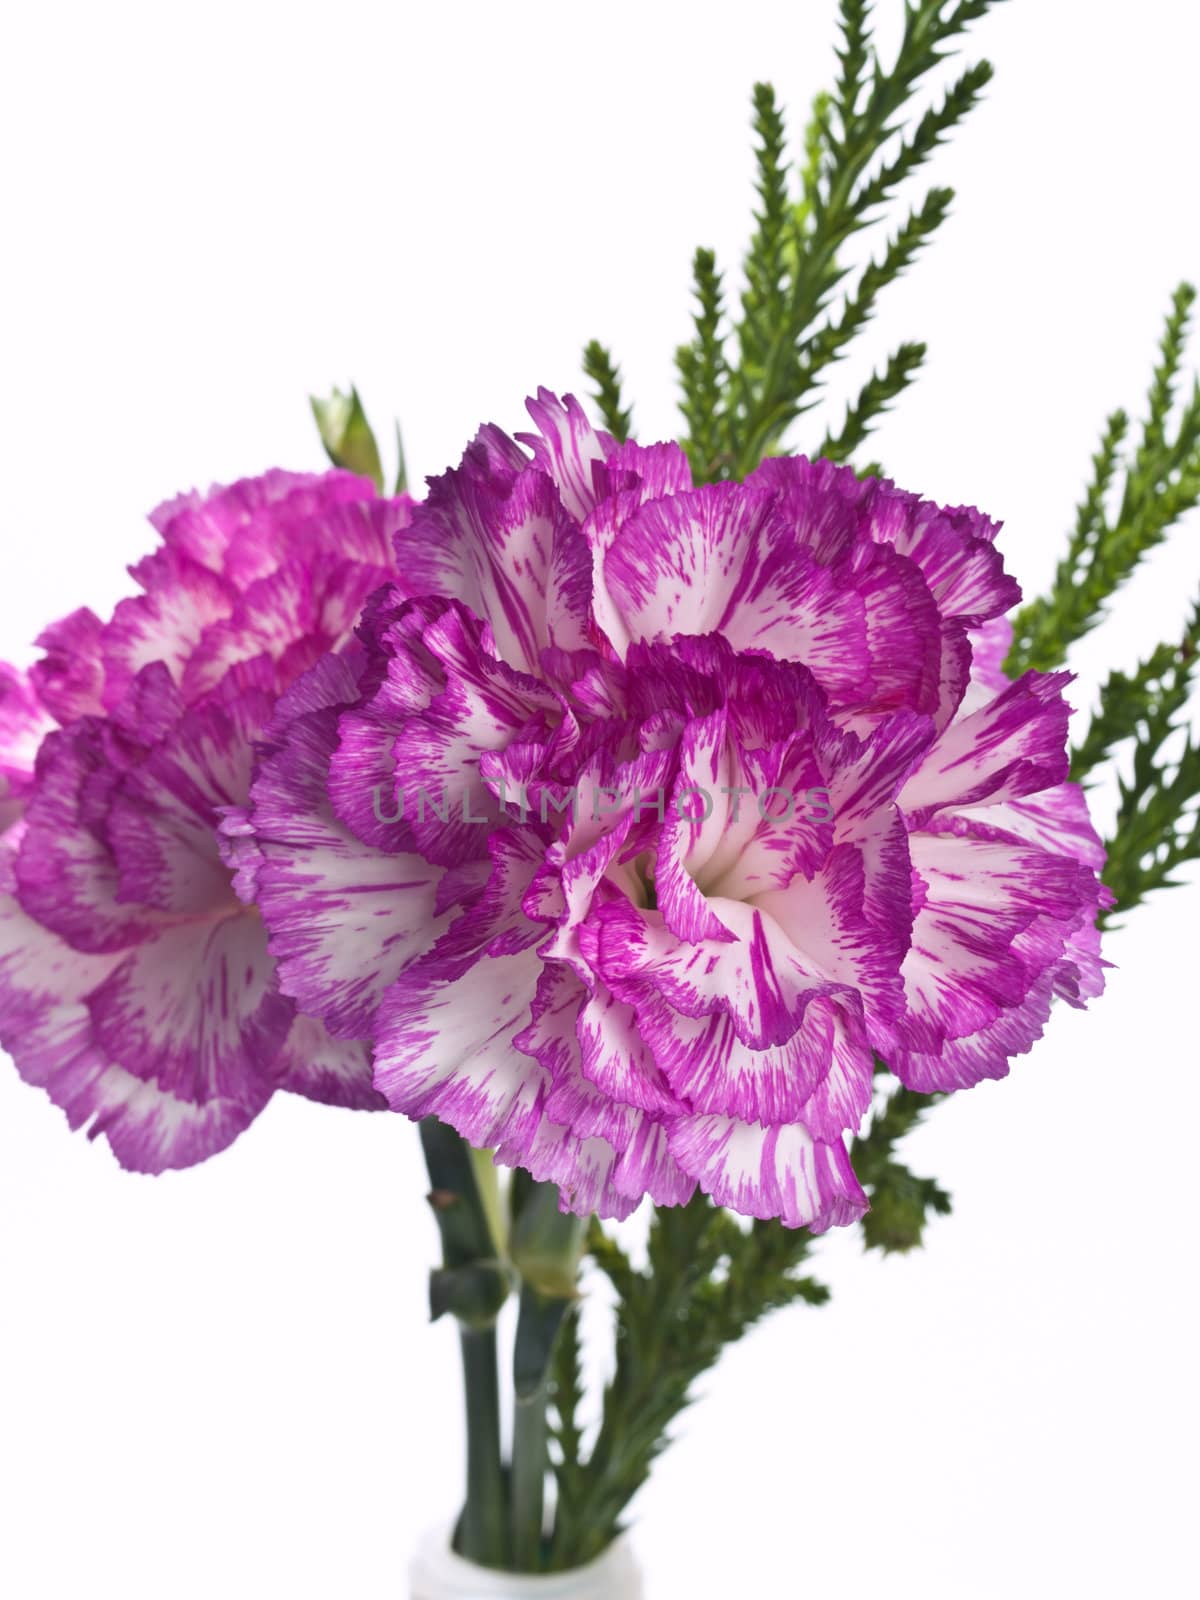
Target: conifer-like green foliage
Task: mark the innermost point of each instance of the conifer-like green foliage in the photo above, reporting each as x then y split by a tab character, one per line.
901	1203
1158	823
877	394
746	378
598	365
707	1279
1158	483
1139	491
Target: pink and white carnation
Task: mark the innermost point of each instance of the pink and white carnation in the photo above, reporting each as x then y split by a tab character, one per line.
634	838
136	987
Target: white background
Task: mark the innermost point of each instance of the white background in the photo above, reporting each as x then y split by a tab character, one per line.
220	1382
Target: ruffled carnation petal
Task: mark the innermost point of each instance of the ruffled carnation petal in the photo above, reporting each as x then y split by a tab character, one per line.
1057	820
770	1172
1014	745
66	876
823	503
979	894
69	676
507	549
196	1009
822	1075
165	624
725	560
344	917
444	1047
484	705
23	726
954	549
335	1072
986	1053
567	448
159	825
47	1026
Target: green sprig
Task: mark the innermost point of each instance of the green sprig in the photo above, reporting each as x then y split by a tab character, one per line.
829	342
932	130
702	370
762	302
1157	829
901	1203
841	197
853	57
1158	487
707	1280
1159	687
599	366
743	385
875	397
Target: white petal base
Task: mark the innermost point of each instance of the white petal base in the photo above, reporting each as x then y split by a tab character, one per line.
437	1573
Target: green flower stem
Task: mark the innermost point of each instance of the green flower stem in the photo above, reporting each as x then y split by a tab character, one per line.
529	1457
546	1246
473	1282
483	1527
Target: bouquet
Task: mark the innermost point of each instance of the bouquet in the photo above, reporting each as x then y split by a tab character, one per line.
665	827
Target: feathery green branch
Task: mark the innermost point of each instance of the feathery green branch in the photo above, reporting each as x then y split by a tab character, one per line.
1158	824
770	390
876	395
599	366
702	369
707	1280
901	1203
1159	686
1160	485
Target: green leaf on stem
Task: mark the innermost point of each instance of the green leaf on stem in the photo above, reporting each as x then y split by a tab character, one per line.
347	436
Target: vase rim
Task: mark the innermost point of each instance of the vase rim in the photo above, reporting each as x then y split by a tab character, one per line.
612	1575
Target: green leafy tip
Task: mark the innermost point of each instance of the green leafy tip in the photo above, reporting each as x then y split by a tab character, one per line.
600	368
1132	502
347	436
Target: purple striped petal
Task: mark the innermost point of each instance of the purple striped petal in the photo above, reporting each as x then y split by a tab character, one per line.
344	918
69	677
164	625
759	978
335	1072
444	1047
821	1076
582	1168
23	725
979	895
47	1024
196	1009
243	518
1014	745
770	1172
507	549
567	448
